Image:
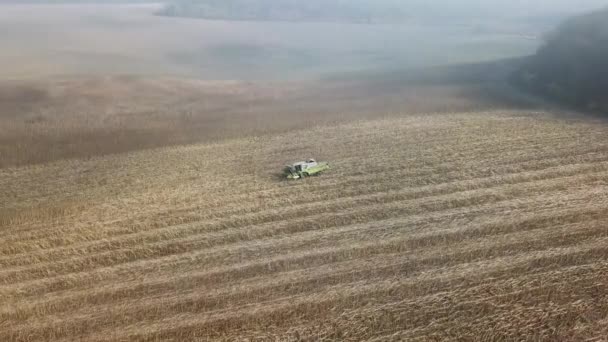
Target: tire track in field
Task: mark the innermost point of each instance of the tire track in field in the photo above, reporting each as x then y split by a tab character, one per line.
487	249
321	187
162	234
415	241
156	264
314	306
434	203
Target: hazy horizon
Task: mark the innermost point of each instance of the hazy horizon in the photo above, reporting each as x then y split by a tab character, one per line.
303	170
500	8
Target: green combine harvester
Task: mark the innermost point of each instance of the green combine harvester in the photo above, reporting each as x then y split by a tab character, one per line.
305	169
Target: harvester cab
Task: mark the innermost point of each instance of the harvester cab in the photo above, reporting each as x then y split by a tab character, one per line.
304	169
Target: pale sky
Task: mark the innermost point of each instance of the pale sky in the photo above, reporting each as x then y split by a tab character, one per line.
502	7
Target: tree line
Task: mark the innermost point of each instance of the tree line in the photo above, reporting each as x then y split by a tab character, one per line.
285	10
572	66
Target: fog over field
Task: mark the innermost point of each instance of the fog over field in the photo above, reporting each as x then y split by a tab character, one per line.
92	39
65	38
303	170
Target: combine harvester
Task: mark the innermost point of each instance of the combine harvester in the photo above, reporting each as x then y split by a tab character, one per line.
304	169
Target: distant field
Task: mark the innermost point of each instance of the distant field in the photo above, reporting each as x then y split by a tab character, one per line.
86	80
470	226
60	40
80	117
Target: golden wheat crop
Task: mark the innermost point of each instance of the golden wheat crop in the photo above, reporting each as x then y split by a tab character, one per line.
472	226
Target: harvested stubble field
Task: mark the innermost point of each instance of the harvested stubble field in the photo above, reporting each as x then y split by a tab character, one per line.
472	226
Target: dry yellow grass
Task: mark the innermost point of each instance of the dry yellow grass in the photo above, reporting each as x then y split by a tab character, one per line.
473	226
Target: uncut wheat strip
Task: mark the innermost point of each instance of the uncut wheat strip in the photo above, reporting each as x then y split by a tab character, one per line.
578	231
548	318
525	284
565	217
439	132
325	188
428	306
222	187
24	258
170	154
28	242
392	156
383	326
21	311
177	262
316	305
13	237
71	177
592	256
544	321
432	204
449	150
464	150
425	153
490	181
513	314
375	326
328	183
553	152
434	314
416	241
368	127
263	201
593	329
530	163
392	227
165	155
489	155
199	301
16	219
27	224
464	161
410	130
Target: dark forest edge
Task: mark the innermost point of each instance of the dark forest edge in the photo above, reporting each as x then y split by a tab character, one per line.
572	66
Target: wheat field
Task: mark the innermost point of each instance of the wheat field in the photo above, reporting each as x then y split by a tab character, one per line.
78	117
488	226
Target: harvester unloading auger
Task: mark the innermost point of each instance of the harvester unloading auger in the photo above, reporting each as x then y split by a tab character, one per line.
304	169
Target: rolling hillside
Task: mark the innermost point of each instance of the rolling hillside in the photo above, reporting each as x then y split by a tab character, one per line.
472	226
